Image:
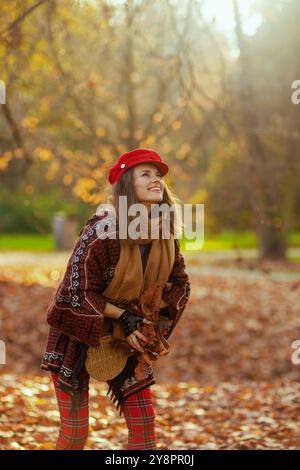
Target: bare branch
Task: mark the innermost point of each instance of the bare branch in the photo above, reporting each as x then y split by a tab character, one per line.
70	85
16	132
22	17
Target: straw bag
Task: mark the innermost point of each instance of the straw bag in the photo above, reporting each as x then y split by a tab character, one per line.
105	361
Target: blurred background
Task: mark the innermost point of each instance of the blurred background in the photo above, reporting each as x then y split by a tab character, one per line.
208	84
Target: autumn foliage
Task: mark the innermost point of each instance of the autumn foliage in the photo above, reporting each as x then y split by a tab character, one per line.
228	382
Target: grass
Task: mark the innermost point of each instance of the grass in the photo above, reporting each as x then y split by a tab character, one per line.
226	240
294	239
230	240
26	242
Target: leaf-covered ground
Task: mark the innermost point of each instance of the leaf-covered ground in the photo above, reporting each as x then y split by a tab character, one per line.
188	416
228	382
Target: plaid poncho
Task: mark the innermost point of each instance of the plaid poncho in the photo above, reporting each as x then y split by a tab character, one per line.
76	315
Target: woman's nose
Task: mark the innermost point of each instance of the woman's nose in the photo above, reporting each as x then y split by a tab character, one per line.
156	180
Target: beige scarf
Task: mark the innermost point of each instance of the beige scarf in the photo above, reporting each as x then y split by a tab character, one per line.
141	291
129	282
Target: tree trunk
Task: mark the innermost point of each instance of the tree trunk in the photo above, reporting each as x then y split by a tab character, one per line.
262	192
272	242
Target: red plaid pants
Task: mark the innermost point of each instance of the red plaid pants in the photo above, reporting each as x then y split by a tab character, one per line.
137	409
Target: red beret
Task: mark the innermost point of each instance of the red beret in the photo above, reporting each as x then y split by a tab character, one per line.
135	157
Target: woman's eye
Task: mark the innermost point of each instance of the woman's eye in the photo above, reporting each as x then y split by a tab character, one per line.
145	174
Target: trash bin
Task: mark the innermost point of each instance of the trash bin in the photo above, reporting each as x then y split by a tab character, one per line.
65	231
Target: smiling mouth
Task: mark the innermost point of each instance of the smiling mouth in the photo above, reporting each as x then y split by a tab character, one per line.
158	190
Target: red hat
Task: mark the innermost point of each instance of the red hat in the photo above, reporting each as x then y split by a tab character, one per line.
135	157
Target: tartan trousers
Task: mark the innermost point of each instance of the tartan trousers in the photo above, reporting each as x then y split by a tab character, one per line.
138	412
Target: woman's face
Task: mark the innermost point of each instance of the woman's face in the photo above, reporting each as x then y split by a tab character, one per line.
148	183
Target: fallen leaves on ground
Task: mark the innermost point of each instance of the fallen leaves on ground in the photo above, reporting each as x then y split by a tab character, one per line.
188	416
228	382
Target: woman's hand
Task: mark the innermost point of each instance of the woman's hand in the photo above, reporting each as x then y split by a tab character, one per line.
133	340
129	326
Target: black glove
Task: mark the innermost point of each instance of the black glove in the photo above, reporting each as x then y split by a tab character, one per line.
129	322
164	312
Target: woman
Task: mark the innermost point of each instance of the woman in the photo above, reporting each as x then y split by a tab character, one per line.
105	280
